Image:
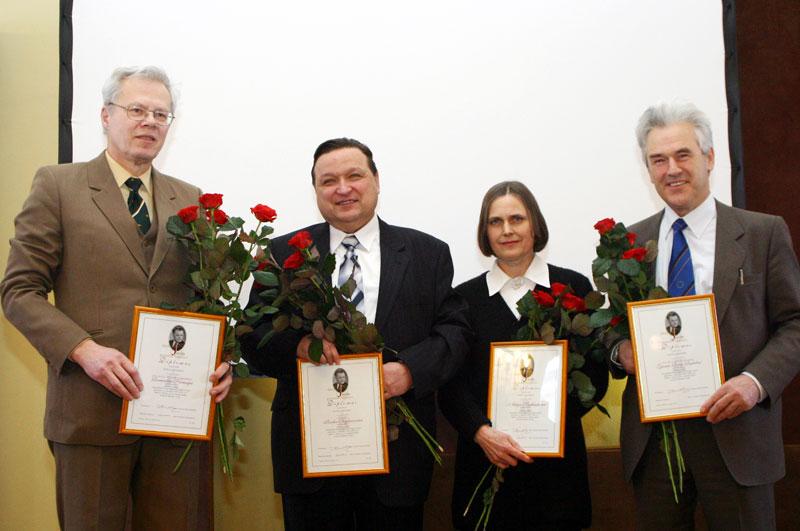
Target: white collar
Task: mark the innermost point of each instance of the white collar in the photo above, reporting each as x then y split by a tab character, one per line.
698	220
367	235
537	272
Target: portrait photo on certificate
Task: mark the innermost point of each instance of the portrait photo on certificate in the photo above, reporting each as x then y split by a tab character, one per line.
527	394
676	352
175	354
343	417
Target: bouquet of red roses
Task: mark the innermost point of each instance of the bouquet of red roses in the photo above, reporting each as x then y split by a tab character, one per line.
624	272
303	298
222	257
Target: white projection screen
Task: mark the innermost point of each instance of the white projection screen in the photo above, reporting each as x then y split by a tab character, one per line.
452	97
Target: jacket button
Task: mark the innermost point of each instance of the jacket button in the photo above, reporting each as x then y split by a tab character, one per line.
152	288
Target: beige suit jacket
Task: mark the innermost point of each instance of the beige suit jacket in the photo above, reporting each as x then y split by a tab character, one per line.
759	325
76	238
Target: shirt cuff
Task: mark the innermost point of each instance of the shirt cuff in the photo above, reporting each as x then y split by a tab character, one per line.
762	394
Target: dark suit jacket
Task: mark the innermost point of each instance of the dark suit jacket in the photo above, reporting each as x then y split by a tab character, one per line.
759	325
76	238
548	491
419	316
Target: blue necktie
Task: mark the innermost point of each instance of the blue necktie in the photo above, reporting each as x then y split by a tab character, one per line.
351	269
681	272
136	205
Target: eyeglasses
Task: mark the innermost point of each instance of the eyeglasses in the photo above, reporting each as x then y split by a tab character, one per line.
138	114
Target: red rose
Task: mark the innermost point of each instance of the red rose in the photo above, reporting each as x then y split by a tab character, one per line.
573	302
188	214
294	261
616	320
557	289
210	200
636	253
264	213
220	217
631	238
301	240
544	299
605	225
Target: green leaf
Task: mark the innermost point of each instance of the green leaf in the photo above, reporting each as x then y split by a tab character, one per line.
652	251
315	350
268	293
629	266
602	409
601	318
602	284
280	322
268	310
594	300
348	287
333	314
265	338
177	227
548	333
330	334
239	424
580	325
266	278
299	283
243	329
318	329
197	280
583	385
600	266
310	310
328	265
296	322
214	290
657	293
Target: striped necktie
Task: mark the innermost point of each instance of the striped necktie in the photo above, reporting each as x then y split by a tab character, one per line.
137	206
681	272
351	269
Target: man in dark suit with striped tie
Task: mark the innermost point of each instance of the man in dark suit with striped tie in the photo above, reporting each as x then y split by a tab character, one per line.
735	454
403	284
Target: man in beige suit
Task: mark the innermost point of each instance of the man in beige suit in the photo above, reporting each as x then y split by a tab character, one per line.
735	454
94	234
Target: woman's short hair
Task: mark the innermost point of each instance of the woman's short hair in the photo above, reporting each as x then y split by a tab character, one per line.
539	225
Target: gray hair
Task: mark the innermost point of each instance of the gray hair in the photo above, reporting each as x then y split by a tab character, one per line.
666	114
112	86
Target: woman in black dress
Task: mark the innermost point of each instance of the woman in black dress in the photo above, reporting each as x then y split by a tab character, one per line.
545	493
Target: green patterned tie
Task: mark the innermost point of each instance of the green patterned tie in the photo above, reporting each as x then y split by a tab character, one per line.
137	206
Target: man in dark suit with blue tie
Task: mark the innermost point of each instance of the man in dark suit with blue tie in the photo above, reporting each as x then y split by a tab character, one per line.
735	454
404	282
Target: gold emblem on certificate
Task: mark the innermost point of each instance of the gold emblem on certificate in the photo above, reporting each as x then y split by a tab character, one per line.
527	394
676	354
343	417
175	354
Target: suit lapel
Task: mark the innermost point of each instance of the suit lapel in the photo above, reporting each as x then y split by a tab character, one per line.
394	261
108	198
321	234
164	198
728	257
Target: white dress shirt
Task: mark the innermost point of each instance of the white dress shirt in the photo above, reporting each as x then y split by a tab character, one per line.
368	252
512	289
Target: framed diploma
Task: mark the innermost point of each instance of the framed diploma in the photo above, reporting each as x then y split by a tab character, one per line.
342	417
527	394
175	354
677	355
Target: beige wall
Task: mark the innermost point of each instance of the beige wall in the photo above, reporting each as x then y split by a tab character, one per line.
29	71
28	139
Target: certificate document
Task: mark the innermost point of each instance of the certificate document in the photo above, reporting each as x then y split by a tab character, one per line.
175	354
527	394
342	417
677	355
